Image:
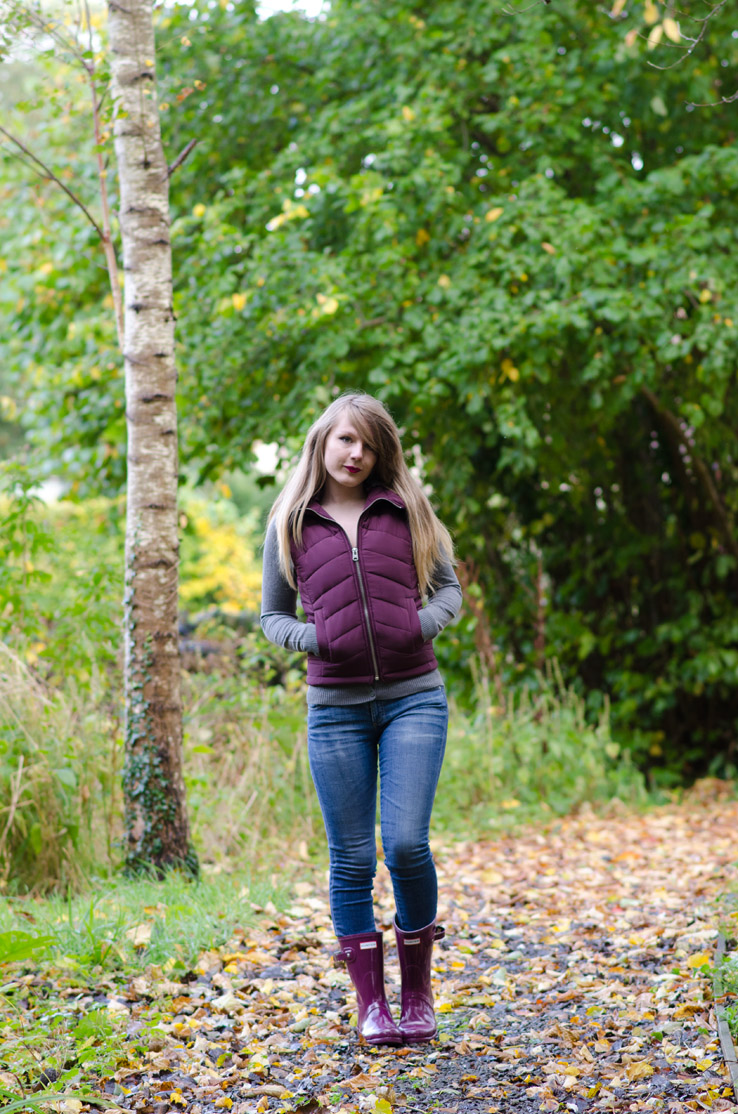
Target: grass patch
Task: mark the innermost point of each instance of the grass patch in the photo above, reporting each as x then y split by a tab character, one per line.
725	972
129	925
69	963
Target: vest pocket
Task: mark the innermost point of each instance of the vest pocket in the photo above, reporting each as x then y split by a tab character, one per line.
416	632
323	644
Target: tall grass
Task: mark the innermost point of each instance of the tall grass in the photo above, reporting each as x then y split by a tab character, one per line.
249	792
59	773
529	756
250	797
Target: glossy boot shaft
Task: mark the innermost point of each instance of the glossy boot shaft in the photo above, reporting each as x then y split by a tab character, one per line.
363	955
414	950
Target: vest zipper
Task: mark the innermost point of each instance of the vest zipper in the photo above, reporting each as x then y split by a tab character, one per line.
355	556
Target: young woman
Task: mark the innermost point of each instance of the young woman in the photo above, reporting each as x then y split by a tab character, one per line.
354	534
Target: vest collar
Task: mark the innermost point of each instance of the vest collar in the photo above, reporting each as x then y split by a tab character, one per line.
375	495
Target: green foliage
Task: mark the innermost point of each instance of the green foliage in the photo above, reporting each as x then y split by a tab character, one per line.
535	756
60	595
516	232
513	231
218	562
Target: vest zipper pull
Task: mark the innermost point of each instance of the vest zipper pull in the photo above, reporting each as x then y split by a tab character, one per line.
355	553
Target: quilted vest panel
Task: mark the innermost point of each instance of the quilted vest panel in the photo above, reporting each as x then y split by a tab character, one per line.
369	635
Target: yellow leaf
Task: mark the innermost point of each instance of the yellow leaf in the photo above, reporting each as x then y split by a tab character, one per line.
650	12
494	214
408	113
699	959
705	295
445	1007
631	37
548	247
655	35
239	301
224	1102
511	802
444	281
140	935
671	27
381	1106
641	1069
368	197
421	237
276	222
687	1011
618	7
46	268
198	210
329	305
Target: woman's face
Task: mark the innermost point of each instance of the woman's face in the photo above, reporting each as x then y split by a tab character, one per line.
348	460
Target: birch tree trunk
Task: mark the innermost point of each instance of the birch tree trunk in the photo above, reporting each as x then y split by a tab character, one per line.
157	830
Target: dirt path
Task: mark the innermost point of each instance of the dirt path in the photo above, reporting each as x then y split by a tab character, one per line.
569	980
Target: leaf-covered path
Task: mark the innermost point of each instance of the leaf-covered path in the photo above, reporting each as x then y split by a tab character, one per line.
569	980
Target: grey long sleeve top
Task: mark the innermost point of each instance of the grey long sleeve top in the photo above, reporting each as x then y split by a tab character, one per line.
280	624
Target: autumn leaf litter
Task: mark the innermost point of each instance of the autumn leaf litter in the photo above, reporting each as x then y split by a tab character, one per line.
572	978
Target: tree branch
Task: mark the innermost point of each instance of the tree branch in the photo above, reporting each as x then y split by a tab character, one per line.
703	472
181	157
107	237
48	173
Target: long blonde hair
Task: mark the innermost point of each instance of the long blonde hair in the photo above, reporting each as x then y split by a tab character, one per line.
431	540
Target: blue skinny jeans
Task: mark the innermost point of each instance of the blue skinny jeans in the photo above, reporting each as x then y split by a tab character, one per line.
402	741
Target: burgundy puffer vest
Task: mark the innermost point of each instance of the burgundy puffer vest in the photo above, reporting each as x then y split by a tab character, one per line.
364	602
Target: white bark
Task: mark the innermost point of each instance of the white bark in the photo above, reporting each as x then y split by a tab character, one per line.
156	821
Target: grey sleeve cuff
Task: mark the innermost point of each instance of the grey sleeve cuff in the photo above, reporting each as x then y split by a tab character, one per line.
428	624
311	639
285	630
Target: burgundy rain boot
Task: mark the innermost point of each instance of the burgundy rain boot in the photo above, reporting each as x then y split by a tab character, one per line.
363	955
418	1020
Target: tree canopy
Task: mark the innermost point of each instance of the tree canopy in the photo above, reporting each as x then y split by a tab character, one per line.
518	230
